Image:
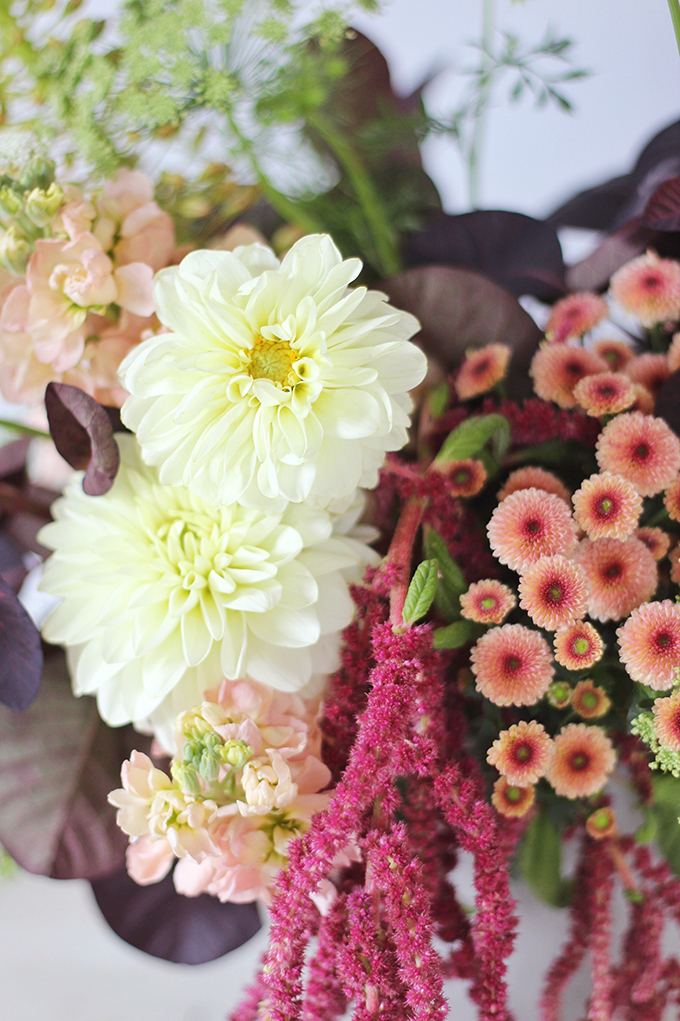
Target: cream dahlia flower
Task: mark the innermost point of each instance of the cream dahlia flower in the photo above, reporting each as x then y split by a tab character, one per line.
163	594
277	379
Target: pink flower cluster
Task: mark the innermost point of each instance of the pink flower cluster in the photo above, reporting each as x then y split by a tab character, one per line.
85	299
244	782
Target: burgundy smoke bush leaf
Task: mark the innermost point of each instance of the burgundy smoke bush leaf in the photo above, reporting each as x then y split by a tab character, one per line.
519	253
13	457
668	402
82	433
593	273
58	762
459	310
662	212
21	658
161	922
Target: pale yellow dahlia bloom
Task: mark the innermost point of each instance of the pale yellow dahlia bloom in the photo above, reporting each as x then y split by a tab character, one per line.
277	380
163	594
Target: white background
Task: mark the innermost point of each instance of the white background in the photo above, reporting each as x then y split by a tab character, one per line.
58	960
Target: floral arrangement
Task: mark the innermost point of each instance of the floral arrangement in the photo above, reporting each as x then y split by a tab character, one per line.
364	565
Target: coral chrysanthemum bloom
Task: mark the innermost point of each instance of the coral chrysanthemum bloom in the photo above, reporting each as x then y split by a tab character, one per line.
511	801
607	506
644	400
601	824
583	758
649	288
616	353
277	381
521	753
667	720
605	393
649	644
589	700
559	694
674	557
487	602
554	592
481	370
575	315
656	540
557	368
163	594
532	477
578	646
621	575
651	370
530	524
512	665
641	448
465	478
671	499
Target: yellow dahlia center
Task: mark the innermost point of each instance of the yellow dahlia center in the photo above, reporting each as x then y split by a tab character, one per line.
273	360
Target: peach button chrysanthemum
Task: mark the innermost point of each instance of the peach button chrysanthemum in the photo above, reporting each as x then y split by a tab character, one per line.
601	823
512	665
559	694
465	478
589	700
649	644
583	758
575	315
674	558
621	575
607	506
528	525
644	400
656	540
649	288
667	720
532	477
487	602
673	353
557	368
511	801
578	646
671	499
554	592
652	370
641	448
481	370
605	393
616	353
521	753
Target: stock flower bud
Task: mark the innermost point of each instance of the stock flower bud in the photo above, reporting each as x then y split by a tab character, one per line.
41	205
10	203
14	252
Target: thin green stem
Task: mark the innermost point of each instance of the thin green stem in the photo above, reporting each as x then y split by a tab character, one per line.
674	7
289	209
366	193
25	430
482	103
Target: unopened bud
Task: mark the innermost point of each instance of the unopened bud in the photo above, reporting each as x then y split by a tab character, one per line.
38	172
184	774
559	694
41	206
236	753
10	203
14	252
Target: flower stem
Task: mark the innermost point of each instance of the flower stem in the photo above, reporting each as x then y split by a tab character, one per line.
25	430
400	554
481	105
674	7
366	193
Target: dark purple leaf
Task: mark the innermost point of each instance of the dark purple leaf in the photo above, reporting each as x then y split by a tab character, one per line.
521	254
662	212
58	762
83	435
161	922
667	404
593	273
13	457
21	658
458	310
12	569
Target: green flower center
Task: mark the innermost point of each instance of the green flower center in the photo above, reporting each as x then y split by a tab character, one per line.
488	603
581	646
513	794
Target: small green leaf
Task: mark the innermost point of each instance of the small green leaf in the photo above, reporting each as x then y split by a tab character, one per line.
665	810
421	591
438	399
454	635
540	861
451	575
474	433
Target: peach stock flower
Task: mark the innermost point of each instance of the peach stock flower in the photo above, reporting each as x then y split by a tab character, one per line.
641	448
649	644
481	370
530	524
131	225
512	665
582	760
